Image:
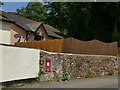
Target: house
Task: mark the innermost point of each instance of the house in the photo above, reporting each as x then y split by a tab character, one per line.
15	29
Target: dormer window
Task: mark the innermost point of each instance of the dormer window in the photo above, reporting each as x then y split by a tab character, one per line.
38	37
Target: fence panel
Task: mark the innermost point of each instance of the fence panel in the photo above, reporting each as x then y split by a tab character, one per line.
95	47
67	45
49	45
75	46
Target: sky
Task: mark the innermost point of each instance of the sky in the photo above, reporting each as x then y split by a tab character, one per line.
12	5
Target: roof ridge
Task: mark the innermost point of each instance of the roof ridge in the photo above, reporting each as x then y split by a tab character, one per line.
13	14
34	22
53	27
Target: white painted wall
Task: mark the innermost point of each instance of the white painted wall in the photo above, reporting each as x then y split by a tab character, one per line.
4	33
19	63
0	67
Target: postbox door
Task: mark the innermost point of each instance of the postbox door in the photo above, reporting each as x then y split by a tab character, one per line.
48	65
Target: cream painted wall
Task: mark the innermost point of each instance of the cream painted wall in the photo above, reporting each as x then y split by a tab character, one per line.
0	66
18	63
5	33
16	30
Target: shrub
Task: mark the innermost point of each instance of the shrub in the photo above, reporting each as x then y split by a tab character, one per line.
66	77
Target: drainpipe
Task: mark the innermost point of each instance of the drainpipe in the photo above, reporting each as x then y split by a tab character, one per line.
27	33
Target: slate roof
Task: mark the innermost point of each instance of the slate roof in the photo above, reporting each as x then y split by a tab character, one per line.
29	25
20	21
34	25
3	17
53	31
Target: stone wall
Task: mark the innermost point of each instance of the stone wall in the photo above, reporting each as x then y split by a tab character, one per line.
56	66
77	65
118	50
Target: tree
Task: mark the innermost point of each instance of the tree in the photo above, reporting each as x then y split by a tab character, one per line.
34	11
116	14
81	20
84	21
63	16
1	3
21	12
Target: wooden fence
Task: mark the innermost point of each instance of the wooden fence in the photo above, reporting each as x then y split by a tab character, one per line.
75	46
49	45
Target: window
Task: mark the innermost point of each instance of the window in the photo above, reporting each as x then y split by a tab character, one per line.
37	37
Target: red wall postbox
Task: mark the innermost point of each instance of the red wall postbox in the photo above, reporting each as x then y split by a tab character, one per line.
48	65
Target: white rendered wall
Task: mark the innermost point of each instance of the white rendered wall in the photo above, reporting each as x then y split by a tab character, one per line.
19	63
4	33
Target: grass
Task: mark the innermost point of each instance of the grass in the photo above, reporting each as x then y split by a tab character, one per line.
19	83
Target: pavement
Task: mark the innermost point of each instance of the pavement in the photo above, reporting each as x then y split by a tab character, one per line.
98	82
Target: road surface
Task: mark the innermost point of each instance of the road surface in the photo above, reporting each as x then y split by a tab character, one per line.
100	82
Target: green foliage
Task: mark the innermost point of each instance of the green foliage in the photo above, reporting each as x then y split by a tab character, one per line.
81	20
21	12
38	78
114	36
66	77
84	21
86	76
19	83
34	11
1	3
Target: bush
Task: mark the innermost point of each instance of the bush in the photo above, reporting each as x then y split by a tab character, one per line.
66	77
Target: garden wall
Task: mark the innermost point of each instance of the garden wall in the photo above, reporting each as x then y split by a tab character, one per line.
77	65
118	50
18	63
